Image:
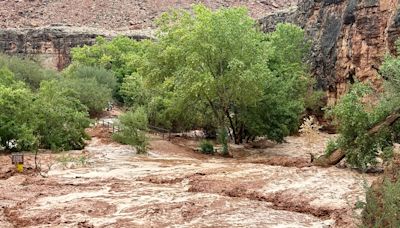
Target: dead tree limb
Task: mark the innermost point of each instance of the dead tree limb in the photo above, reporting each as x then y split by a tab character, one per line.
336	156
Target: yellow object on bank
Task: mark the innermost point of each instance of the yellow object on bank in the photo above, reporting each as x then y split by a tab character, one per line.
20	168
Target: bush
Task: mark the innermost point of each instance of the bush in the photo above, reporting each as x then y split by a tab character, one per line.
101	75
223	139
90	93
331	147
353	118
16	120
27	71
134	125
206	147
61	118
382	207
95	86
133	91
51	117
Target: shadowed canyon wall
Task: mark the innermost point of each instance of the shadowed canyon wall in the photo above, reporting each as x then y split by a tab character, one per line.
350	39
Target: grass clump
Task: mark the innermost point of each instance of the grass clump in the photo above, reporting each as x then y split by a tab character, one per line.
206	147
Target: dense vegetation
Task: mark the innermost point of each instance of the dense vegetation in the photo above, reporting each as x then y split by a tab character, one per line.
362	109
133	129
211	70
41	109
383	206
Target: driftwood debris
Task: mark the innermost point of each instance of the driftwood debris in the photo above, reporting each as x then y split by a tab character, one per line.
336	156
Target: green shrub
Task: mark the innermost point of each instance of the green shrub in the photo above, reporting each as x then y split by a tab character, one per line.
382	207
95	86
61	118
223	139
134	125
353	119
51	116
101	75
27	71
16	119
90	93
206	147
331	147
133	90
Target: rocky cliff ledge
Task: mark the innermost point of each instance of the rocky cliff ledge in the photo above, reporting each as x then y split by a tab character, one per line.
350	38
51	45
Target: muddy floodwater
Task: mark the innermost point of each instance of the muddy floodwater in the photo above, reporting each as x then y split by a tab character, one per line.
109	185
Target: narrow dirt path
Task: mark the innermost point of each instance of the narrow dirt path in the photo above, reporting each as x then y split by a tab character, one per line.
174	186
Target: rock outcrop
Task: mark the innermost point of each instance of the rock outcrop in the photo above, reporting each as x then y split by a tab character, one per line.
32	28
114	15
51	46
350	38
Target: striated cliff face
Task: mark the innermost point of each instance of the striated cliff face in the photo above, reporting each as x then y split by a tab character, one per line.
350	38
32	27
51	46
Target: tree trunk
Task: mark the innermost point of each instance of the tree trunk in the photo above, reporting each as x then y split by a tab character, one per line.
338	155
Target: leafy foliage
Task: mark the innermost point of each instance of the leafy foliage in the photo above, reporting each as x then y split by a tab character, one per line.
223	139
27	71
206	147
382	208
102	76
216	68
16	121
390	70
89	92
212	69
133	90
122	56
61	118
133	126
331	147
93	85
354	118
50	116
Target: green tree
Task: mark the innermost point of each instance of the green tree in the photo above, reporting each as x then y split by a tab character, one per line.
61	117
133	129
16	120
89	92
218	68
27	71
101	75
133	90
94	86
122	55
353	118
355	115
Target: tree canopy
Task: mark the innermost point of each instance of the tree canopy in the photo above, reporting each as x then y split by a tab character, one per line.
212	70
48	116
216	68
